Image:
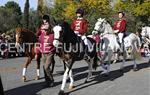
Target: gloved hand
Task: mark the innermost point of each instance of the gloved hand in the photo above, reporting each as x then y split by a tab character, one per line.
94	32
77	33
116	31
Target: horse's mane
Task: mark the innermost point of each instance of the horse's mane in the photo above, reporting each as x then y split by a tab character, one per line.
109	27
68	34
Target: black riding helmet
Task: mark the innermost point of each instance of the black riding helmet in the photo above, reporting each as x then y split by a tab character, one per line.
80	11
121	13
45	17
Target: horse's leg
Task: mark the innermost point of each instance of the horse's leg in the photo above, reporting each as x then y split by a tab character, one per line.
65	76
90	62
123	60
135	66
104	67
71	80
134	63
110	54
64	66
38	66
116	57
25	68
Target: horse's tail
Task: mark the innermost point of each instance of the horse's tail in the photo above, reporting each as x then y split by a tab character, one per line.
95	62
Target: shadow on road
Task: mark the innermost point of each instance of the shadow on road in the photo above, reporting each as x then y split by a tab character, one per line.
101	78
32	89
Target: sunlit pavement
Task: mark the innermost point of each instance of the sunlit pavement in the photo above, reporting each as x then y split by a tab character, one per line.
117	83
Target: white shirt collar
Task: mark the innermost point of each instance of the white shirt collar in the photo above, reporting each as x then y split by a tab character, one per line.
80	18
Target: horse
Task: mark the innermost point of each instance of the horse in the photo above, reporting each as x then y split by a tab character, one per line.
146	37
28	39
64	36
110	44
24	36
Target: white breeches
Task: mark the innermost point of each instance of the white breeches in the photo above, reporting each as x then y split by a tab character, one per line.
85	40
120	35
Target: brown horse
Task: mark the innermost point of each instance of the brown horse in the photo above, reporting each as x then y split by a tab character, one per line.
28	39
68	48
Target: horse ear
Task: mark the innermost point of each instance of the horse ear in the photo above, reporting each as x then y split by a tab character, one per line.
99	19
103	19
18	29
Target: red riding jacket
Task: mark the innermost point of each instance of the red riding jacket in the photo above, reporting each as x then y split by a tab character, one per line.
47	42
79	25
120	25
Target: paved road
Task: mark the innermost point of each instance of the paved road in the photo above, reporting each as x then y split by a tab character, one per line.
129	83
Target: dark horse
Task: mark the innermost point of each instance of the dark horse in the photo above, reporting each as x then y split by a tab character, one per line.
70	48
28	39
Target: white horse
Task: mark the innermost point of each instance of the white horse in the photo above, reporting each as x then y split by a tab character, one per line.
146	36
111	45
146	32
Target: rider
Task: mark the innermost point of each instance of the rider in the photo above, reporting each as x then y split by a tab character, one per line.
38	51
120	27
46	39
79	25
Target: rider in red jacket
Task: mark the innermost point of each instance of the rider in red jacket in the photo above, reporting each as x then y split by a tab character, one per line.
79	25
47	49
120	26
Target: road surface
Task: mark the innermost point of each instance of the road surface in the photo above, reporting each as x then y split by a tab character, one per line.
127	83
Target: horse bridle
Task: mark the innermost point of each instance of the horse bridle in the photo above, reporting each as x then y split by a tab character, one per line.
96	30
56	39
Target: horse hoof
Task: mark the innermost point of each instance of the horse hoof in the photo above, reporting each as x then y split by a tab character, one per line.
114	61
37	78
61	92
52	84
71	87
85	81
49	83
135	69
24	78
121	70
106	75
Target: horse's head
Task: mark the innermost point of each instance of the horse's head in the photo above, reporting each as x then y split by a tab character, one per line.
19	36
57	30
63	34
144	32
99	26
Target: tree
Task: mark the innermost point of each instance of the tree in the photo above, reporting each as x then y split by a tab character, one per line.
43	9
40	7
137	12
26	15
142	11
13	7
10	16
33	20
65	9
